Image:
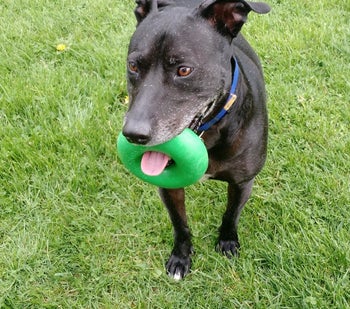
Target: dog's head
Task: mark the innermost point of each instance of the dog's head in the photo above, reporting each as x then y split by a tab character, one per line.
179	63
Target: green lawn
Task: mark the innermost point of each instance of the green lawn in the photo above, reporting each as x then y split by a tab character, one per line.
78	231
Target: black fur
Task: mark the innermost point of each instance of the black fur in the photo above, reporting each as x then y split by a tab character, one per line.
203	36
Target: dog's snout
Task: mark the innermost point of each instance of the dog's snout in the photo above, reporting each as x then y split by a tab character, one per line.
140	134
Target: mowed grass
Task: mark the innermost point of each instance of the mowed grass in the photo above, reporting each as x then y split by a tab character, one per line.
78	231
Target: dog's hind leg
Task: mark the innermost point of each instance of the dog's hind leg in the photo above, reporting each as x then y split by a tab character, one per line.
179	262
238	194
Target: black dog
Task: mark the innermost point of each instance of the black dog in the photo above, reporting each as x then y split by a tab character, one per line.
184	58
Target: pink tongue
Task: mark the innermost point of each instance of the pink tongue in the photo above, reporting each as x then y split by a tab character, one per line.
153	163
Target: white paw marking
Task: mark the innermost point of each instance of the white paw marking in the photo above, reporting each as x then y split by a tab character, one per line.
177	276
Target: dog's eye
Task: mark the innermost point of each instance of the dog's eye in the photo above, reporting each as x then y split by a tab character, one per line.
184	71
133	67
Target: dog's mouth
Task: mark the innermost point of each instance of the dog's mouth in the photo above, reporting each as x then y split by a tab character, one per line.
153	163
198	119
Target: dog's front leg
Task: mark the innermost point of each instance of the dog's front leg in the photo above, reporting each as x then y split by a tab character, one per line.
179	262
238	195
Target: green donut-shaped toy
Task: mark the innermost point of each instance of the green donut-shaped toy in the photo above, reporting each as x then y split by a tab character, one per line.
176	163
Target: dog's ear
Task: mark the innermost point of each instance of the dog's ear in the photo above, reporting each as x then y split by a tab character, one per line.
144	7
228	16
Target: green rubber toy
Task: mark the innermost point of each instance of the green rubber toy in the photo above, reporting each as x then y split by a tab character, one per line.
176	163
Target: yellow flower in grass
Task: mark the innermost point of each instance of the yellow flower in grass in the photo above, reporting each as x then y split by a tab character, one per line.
61	47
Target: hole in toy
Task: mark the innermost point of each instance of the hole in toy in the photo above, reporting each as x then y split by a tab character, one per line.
170	163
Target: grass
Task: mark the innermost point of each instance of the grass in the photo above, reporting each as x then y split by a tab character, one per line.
77	231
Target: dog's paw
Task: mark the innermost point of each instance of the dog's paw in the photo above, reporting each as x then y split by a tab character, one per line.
229	248
178	267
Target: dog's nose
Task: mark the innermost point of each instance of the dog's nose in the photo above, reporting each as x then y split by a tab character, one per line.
140	139
139	135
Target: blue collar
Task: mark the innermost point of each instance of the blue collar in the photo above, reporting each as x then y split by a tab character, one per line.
229	102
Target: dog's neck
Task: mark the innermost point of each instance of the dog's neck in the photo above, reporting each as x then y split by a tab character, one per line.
218	113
